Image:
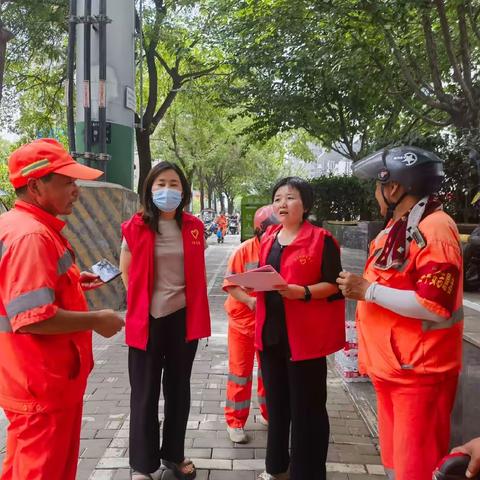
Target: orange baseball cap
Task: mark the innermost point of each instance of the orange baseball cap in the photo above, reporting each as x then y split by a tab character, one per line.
44	156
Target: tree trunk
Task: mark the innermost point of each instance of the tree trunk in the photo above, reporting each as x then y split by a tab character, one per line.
222	202
144	155
5	37
202	193
209	195
230	204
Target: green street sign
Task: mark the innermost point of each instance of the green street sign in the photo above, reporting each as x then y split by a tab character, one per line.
248	206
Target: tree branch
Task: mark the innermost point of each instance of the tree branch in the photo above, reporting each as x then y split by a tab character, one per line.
407	75
164	107
152	88
422	116
473	18
163	63
201	73
464	45
432	55
451	54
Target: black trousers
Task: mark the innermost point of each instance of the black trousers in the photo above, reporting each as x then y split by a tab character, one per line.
168	361
296	394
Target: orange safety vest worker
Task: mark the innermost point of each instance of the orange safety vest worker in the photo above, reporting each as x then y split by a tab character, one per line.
399	353
413	363
222	224
42	377
241	349
45	345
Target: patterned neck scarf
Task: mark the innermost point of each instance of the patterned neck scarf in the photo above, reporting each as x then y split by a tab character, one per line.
402	232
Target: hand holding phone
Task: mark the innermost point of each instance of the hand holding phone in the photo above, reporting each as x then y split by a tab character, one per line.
105	270
89	281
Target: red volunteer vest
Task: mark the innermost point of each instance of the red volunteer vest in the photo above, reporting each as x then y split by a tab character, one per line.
316	328
140	239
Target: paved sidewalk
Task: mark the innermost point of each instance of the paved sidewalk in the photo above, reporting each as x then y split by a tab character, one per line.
353	451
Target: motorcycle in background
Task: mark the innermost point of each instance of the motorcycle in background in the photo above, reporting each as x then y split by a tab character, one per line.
471	257
233	225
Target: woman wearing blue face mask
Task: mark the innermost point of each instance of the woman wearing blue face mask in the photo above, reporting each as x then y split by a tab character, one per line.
167	312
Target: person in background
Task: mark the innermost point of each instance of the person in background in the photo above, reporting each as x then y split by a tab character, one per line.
410	314
240	308
222	223
163	269
45	328
219	234
297	326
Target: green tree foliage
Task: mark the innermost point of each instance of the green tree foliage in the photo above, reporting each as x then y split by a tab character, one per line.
209	143
35	67
5	185
356	69
343	198
177	51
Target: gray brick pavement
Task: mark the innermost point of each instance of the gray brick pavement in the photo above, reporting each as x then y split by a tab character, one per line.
353	453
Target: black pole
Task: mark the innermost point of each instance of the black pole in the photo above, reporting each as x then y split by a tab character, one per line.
102	94
72	38
87	80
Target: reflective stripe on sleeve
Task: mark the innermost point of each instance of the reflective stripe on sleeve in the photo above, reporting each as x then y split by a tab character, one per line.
5	325
251	266
30	300
239	380
456	317
64	263
237	405
3	249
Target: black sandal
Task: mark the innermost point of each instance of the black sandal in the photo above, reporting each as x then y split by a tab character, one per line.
178	469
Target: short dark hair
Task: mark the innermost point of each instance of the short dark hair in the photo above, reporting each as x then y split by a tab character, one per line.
150	213
304	188
21	191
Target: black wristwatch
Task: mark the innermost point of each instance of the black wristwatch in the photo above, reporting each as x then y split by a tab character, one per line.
308	294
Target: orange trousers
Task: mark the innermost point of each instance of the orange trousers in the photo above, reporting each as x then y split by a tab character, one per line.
241	355
414	425
42	446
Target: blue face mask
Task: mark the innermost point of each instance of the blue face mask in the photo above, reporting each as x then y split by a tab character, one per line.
167	199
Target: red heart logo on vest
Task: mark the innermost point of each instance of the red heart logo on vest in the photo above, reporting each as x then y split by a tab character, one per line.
195	234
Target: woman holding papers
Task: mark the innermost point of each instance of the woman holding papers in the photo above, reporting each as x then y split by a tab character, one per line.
167	314
297	326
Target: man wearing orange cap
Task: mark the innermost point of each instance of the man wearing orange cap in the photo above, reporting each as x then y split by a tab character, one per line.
240	308
45	329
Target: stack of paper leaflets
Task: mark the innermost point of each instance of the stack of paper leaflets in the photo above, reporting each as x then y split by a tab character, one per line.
261	279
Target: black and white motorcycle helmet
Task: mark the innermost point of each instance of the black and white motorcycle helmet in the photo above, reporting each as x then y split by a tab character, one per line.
419	171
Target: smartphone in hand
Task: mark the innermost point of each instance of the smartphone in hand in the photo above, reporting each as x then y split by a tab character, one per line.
105	270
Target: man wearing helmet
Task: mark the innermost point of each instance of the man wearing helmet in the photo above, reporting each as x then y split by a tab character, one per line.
409	314
240	308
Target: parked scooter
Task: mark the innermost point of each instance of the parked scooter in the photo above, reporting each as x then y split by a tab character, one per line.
471	257
233	225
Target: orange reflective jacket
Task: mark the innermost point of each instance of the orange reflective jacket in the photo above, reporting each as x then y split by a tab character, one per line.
394	347
37	277
244	258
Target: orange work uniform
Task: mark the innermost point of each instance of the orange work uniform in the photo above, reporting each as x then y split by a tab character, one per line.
222	224
42	377
241	349
414	364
